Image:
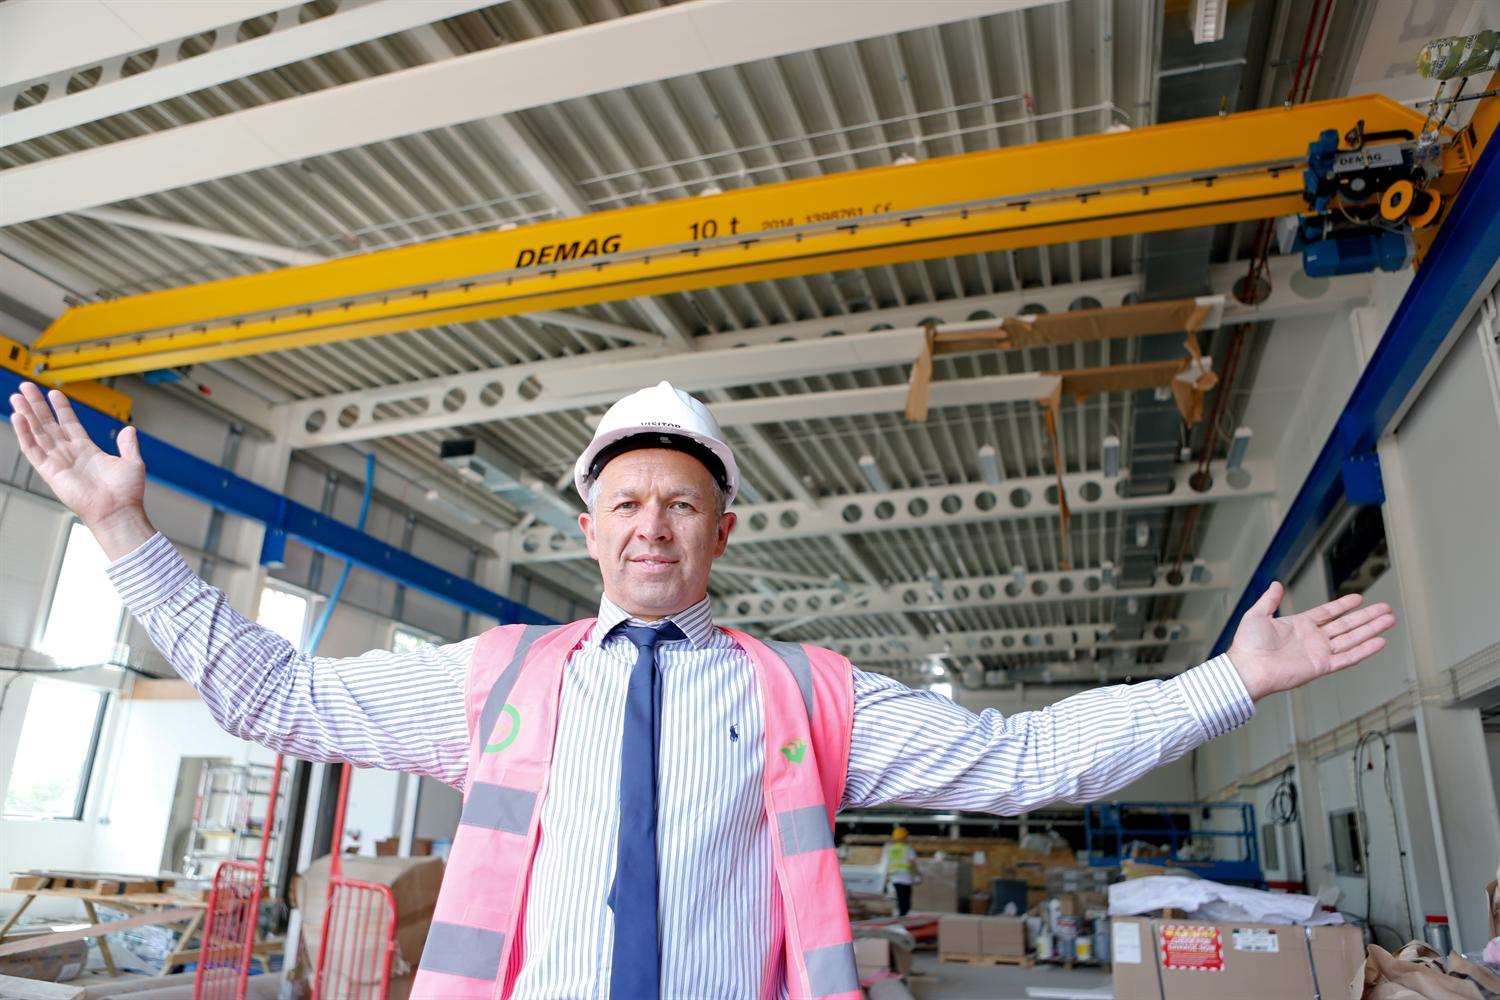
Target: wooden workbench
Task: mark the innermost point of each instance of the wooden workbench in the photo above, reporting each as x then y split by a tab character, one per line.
134	904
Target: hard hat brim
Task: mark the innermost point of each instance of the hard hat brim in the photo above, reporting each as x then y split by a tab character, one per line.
720	450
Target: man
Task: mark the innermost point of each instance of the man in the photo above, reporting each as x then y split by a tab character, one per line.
899	860
648	798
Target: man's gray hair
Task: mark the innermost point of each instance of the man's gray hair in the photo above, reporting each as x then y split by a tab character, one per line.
721	499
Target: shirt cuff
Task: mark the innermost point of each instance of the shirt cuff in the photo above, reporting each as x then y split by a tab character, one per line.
1216	696
151	574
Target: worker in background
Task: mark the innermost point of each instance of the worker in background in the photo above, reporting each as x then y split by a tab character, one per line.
900	863
648	797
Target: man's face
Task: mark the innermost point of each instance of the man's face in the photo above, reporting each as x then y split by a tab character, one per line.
655	531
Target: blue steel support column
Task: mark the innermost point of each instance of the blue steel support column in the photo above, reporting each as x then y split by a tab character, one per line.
1458	268
284	518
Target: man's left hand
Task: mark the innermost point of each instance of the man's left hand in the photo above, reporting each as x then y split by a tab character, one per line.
1276	654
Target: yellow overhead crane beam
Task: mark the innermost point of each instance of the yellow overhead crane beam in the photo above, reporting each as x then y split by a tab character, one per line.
1193	173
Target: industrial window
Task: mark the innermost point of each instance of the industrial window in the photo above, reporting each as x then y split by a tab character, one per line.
55	755
405	640
1348	848
84	618
284	613
1358	553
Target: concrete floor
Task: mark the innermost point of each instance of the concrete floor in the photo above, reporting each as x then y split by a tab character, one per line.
934	980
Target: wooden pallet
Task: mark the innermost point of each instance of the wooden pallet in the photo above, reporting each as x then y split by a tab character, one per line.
1024	961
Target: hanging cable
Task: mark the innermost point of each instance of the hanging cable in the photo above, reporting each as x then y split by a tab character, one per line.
1362	762
1283	804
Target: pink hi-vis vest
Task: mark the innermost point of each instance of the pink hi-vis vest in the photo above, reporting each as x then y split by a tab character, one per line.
515	681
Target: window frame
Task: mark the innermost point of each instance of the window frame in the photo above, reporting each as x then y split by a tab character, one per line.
309	618
49	602
421	633
86	768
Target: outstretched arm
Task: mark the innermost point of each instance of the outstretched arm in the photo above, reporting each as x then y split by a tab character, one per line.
919	748
396	711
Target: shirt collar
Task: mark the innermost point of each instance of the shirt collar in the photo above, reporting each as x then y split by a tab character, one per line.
696	622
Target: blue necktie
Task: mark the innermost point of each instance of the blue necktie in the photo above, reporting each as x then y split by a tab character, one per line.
636	970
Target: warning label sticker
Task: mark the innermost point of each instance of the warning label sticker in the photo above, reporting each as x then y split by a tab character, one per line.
1261	939
1189	947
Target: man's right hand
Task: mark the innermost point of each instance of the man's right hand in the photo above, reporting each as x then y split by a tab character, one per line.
107	492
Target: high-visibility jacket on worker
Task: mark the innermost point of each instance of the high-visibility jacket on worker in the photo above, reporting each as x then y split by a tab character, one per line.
898	862
474	946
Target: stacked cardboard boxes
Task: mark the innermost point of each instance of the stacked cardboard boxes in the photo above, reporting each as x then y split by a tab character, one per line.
998	857
1158	959
967	935
943	886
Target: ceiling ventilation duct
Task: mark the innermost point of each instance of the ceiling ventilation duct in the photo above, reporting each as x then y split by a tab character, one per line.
1197	79
485	466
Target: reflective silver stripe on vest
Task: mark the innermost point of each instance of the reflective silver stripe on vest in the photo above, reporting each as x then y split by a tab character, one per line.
831	970
796	659
500	690
804	829
472	952
496	807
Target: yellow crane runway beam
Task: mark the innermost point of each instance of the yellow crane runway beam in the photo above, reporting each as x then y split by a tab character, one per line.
1192	173
14	357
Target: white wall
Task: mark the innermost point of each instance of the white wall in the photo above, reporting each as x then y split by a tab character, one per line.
139	776
1395	902
1450	443
1492	741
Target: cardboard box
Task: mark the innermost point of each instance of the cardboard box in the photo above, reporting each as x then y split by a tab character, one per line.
421	847
871	956
1188	960
1064	880
868	879
1002	936
875	954
960	934
1092	901
943	885
57	963
414	884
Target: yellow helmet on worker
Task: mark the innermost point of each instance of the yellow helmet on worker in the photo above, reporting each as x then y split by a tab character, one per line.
899	833
661	416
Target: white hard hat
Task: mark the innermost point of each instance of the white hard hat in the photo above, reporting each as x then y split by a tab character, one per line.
671	417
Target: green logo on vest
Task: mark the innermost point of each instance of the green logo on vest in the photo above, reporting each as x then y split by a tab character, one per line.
514	714
794	750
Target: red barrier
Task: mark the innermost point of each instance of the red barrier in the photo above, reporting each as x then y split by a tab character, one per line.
233	914
228	932
358	943
359	928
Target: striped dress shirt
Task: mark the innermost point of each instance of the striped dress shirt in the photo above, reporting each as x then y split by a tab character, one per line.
720	912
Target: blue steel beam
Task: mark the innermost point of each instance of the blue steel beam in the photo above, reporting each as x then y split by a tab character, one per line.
187	473
1457	268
